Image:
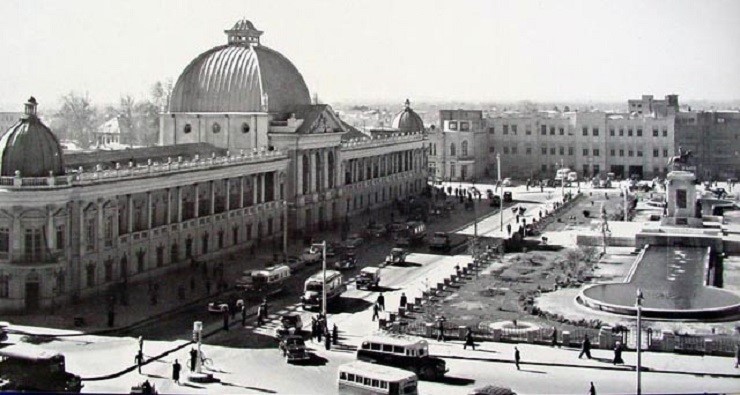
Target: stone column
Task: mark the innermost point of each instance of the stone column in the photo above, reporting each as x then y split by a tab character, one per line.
50	228
148	210
99	224
241	191
325	170
130	207
262	179
196	192
179	204
212	185
228	194
169	206
82	237
312	172
255	189
299	172
276	185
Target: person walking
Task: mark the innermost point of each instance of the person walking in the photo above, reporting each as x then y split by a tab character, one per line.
554	337
585	348
260	314
441	329
314	325
176	372
508	229
376	308
381	301
193	359
244	315
403	300
469	340
618	354
226	319
141	344
335	335
592	389
139	359
517	358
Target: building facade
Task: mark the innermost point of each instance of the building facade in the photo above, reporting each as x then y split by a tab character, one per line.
245	159
458	146
713	137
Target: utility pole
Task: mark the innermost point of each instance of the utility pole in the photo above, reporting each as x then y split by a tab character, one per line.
323	287
501	202
638	305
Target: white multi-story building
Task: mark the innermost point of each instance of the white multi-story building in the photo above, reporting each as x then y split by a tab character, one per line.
457	146
245	158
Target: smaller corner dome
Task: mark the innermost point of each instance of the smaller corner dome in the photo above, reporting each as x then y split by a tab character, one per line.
408	120
30	148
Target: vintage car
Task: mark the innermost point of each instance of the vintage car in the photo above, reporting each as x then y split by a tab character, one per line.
376	230
397	256
353	241
346	260
369	278
294	349
311	255
290	324
440	241
218	306
495	201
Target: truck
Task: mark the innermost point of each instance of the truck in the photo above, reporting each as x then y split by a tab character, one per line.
314	286
561	176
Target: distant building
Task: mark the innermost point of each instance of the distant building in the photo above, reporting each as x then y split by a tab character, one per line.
647	105
109	133
8	119
713	137
458	146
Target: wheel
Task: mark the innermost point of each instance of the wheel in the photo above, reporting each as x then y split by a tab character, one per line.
428	373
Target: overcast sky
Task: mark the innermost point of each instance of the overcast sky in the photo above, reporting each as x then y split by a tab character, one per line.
482	50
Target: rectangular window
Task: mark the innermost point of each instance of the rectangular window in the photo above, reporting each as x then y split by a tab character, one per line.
596	170
621	152
528	130
639	153
655	132
552	130
513	150
464	126
543	130
492	130
506	129
639	132
506	150
60	237
665	153
585	131
612	152
621	132
596	152
544	150
4	285
595	131
656	153
108	232
529	150
585	152
630	153
108	270
90	236
552	150
629	132
33	245
4	240
453	125
562	131
491	149
570	151
562	150
513	129
611	132
665	132
543	168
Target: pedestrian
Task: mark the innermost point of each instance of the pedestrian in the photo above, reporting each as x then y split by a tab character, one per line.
327	338
335	334
441	329
508	229
403	301
592	389
517	218
141	344
618	354
193	359
469	339
139	359
517	358
313	327
585	348
381	301
176	372
319	330
244	314
376	308
146	388
226	318
232	309
554	336
260	314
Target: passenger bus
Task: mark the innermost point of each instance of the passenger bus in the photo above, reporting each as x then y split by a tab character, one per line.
362	378
26	367
314	286
268	281
414	233
402	352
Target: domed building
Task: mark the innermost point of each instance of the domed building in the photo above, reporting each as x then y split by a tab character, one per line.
29	148
408	121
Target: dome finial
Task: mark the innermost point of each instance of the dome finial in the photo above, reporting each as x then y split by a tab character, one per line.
407	103
244	33
30	106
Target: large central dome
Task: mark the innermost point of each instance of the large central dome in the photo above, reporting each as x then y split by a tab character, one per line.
242	76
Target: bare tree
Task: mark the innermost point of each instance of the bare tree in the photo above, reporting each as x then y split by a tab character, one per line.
76	119
161	93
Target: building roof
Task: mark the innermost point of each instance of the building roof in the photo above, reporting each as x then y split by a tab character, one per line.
408	120
30	147
111	126
138	155
242	76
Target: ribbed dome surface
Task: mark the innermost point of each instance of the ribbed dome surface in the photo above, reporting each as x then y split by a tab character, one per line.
408	120
232	78
31	148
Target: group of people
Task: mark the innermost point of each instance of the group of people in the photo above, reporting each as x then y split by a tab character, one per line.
320	329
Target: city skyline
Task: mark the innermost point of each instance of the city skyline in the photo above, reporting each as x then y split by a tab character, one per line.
376	51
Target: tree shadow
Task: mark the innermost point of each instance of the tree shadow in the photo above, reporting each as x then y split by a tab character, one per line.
384	289
532	371
349	305
314	360
407	264
248	388
186	384
155	376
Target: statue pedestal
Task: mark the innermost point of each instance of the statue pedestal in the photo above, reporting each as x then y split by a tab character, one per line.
681	200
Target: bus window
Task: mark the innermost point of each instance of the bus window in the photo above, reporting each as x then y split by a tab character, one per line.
387	347
367	381
411	352
376	383
342	376
375	346
399	350
384	384
358	379
365	346
350	377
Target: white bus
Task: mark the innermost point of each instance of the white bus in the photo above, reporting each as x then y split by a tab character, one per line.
363	378
265	282
314	286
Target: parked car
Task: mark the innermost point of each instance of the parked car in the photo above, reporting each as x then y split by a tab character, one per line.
495	201
312	255
218	306
294	349
506	182
354	240
507	197
347	260
369	278
397	256
440	241
376	230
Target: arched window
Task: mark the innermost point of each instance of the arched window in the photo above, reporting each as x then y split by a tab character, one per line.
452	149
464	148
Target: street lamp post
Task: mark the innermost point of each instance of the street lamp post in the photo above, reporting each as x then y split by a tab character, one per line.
501	201
638	305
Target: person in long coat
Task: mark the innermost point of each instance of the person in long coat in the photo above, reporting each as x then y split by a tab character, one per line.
618	354
176	372
469	340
